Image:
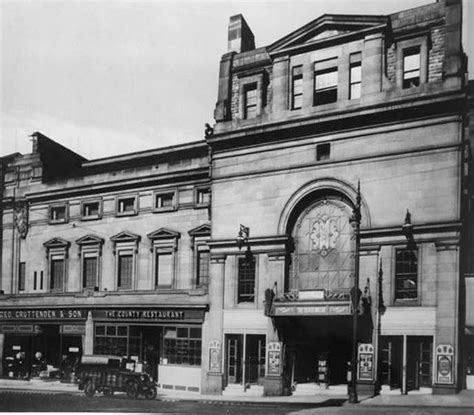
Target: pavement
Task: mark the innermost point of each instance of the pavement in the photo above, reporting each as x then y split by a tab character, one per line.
464	399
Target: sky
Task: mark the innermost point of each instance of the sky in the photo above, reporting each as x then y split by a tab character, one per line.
111	77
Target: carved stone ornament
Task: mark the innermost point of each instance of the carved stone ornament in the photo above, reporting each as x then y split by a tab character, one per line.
324	235
21	220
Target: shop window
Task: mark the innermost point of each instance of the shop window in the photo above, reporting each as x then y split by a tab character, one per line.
164	201
125	250
246	285
323	151
58	214
182	346
21	276
202	196
355	76
127	205
325	82
202	274
111	339
250	101
406	274
91	210
297	87
164	244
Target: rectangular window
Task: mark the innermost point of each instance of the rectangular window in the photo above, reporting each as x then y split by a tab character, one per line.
246	290
21	276
323	151
58	214
163	270
41	280
35	282
203	196
325	82
355	76
125	271
297	88
182	345
202	275
127	205
406	274
112	340
89	271
90	210
165	201
411	67
250	101
57	274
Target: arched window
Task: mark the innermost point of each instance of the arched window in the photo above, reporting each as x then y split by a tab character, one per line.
323	256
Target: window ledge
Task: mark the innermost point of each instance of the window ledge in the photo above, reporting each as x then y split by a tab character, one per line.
165	209
57	221
91	217
134	213
406	303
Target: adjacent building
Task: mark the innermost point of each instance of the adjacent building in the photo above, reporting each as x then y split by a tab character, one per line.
339	169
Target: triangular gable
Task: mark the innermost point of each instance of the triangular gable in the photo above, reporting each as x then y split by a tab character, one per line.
57	243
201	230
163	233
90	240
326	27
125	236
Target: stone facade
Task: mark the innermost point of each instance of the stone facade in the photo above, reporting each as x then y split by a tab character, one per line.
379	127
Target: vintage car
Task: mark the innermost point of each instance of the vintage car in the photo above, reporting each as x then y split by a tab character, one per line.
109	374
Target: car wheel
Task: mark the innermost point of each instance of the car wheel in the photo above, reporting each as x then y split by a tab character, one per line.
89	389
131	389
150	393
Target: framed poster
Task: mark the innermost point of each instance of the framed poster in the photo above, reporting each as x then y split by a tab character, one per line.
444	364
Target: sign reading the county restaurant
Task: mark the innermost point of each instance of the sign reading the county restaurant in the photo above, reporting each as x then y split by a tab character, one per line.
37	314
149	314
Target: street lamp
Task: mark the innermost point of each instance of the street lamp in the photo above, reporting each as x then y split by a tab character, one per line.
355	222
243	238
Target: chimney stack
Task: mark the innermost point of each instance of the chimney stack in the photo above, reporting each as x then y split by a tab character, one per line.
241	38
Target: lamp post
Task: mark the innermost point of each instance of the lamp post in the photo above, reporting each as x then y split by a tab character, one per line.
407	229
355	222
242	239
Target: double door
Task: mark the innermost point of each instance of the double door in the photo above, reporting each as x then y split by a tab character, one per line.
245	358
416	352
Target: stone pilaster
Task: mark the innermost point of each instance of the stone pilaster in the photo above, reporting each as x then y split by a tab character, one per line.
280	84
372	63
213	367
447	309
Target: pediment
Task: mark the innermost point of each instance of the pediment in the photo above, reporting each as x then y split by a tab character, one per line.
326	27
202	230
164	233
57	243
125	236
90	240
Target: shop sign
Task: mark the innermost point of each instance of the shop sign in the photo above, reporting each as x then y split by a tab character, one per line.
366	361
444	363
149	314
215	356
317	310
44	314
274	359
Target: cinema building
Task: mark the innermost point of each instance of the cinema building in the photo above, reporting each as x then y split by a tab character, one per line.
342	151
339	168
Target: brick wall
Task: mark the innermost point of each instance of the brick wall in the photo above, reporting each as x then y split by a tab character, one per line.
436	55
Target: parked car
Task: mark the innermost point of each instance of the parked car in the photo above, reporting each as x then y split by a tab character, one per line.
109	374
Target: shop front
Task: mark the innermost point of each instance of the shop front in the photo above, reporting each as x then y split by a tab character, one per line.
41	342
165	342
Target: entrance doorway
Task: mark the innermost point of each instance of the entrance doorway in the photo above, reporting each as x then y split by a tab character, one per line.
245	358
418	353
